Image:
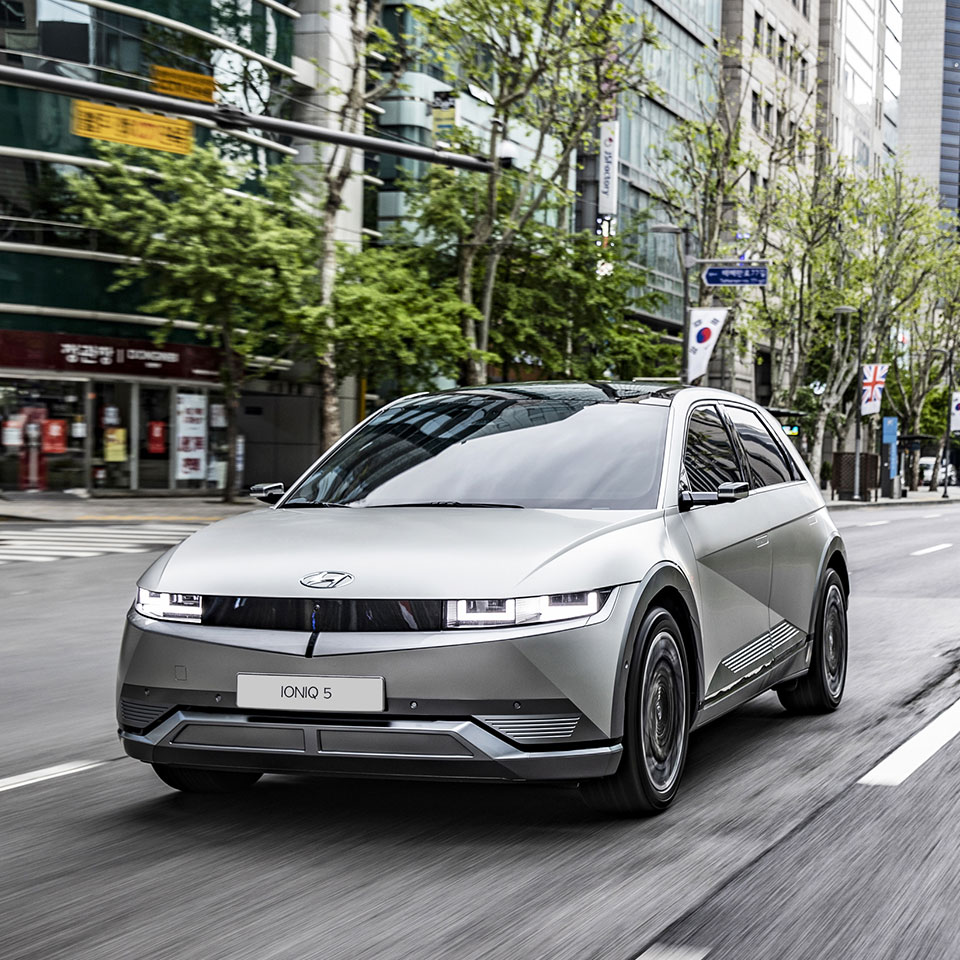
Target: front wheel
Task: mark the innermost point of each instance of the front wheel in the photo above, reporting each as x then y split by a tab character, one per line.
821	689
199	780
656	725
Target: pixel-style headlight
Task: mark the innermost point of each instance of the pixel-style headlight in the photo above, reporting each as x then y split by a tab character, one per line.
524	610
182	607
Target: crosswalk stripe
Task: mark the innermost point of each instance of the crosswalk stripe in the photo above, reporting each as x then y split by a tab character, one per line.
44	544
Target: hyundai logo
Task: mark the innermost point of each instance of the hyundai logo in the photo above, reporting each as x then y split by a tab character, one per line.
326	579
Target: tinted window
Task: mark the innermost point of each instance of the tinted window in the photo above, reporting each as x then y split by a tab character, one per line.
708	458
768	465
563	448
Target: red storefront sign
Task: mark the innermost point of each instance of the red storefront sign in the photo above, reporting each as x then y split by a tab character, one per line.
156	436
89	356
54	438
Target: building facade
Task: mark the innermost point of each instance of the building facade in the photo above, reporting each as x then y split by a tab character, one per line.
859	78
89	399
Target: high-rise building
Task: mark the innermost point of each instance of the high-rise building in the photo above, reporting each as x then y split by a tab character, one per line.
930	96
88	399
689	35
859	78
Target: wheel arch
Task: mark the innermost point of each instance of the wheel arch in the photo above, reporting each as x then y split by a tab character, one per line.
665	586
834	557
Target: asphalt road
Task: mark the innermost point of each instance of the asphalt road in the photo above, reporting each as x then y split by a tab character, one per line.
773	850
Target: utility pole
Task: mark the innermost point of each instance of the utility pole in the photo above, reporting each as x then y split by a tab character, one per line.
946	432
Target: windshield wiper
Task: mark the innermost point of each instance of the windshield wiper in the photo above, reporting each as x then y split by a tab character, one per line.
313	503
448	503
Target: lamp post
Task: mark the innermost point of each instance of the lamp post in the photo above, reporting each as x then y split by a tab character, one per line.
683	234
859	398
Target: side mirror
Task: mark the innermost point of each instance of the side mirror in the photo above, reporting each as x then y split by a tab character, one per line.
267	492
726	493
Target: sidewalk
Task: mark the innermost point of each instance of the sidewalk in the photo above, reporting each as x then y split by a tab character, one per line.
63	508
916	498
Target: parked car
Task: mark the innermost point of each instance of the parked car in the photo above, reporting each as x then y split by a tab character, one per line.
553	581
926	471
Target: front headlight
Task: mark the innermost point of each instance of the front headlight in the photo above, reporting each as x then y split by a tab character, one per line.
183	607
525	610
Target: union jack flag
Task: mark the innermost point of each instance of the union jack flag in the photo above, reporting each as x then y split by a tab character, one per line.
874	378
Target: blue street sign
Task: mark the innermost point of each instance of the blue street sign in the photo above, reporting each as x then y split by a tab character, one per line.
890	425
735	276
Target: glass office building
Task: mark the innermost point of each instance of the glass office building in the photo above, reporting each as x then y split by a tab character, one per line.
88	399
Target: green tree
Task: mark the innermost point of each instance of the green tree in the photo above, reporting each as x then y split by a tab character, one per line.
399	318
239	265
549	70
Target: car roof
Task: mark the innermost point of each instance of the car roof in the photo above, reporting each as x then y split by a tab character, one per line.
657	391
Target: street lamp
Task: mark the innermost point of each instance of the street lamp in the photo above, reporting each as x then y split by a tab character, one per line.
679	232
845	310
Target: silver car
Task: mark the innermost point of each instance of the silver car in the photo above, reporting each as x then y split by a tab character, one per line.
544	581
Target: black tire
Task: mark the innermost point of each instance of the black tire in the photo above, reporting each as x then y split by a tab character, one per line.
820	690
198	780
656	725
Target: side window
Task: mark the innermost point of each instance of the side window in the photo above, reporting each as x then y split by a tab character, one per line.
768	463
708	458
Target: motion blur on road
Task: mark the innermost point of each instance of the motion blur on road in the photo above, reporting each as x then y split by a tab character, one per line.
772	850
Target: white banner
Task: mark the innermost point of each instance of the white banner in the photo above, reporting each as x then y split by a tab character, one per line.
705	326
874	378
191	436
955	412
608	169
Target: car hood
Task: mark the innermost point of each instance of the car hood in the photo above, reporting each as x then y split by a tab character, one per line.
408	553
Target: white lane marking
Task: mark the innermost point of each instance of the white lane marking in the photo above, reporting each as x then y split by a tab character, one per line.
5	555
48	773
911	755
875	523
925	550
67	550
932	516
663	951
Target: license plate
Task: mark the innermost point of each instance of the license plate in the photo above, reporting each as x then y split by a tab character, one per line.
270	691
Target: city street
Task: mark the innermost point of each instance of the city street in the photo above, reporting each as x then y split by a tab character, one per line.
772	850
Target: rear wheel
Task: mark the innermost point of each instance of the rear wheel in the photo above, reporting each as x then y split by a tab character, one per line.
198	780
656	725
821	689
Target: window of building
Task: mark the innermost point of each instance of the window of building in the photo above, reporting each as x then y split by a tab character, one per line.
805	8
771	35
782	52
767	462
753	182
758	31
803	72
708	459
768	118
755	110
779	128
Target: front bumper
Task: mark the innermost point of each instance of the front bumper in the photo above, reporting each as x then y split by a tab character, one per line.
516	704
432	749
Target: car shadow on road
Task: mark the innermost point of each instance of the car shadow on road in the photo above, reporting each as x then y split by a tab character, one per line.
725	753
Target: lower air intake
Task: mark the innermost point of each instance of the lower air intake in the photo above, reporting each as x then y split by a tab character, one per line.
533	729
139	715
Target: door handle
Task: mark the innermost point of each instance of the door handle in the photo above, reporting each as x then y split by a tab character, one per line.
762	541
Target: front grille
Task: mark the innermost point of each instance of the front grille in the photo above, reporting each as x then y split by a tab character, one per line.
139	715
533	729
327	615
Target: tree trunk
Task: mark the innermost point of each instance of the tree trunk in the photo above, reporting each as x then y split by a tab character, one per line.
329	400
473	371
816	448
232	378
935	475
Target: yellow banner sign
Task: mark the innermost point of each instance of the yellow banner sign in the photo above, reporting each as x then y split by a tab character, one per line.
182	83
131	127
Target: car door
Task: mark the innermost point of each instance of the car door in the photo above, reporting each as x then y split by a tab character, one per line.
731	547
796	528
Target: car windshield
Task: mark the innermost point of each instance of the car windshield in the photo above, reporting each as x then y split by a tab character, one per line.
562	449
